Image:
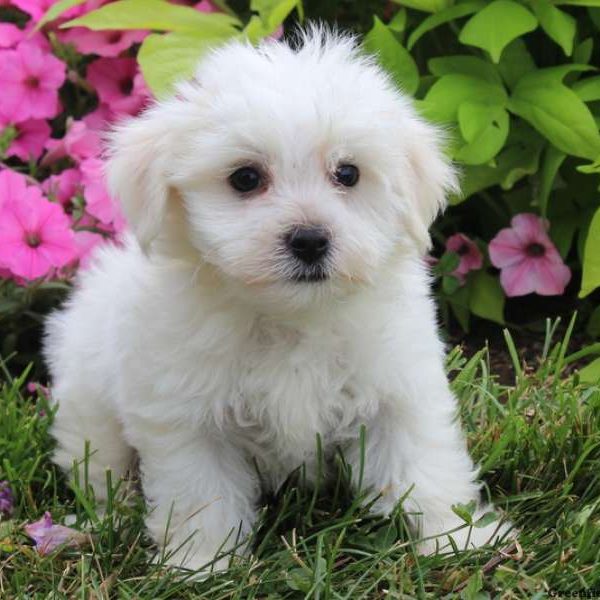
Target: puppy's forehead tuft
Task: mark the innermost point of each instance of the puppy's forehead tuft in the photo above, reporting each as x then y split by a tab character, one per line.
317	63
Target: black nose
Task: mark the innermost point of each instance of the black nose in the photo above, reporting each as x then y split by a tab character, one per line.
308	244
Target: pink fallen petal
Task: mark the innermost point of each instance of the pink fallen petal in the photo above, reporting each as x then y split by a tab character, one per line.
48	537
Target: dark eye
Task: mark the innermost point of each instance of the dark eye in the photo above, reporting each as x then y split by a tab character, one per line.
346	175
246	179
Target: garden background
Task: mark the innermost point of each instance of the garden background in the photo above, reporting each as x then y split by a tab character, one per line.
516	86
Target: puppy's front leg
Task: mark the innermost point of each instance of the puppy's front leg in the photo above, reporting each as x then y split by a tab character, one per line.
200	493
415	443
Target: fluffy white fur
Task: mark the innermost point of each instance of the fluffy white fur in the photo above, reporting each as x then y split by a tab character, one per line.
192	347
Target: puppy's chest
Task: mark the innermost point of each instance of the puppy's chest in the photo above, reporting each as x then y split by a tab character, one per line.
292	385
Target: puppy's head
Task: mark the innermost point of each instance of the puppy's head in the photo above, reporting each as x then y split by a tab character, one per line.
298	172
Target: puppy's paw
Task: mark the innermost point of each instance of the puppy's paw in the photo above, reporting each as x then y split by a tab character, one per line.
193	563
466	537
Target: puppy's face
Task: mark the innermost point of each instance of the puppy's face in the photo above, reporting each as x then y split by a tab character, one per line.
300	173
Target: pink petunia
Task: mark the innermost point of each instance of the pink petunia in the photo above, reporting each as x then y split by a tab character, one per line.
100	119
12	185
86	242
469	254
31	137
98	202
119	84
34	8
206	6
35	234
64	186
102	43
30	79
10	35
48	536
79	143
528	260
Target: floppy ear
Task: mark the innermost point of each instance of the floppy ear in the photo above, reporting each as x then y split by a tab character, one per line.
433	178
136	173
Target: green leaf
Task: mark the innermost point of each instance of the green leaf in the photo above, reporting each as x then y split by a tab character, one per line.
157	15
57	9
486	299
467	65
593	325
465	511
515	63
560	26
485	128
299	579
486	519
444	16
594	14
519	158
583	51
591	373
398	22
448	262
168	58
556	112
595	3
450	91
450	284
550	165
425	5
273	13
591	258
498	24
562	231
393	57
588	89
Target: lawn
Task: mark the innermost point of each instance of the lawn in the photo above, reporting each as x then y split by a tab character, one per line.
538	444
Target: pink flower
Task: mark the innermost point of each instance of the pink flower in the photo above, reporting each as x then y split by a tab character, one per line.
48	537
64	186
79	143
12	185
30	140
119	84
528	259
102	43
30	79
10	35
34	234
469	254
206	6
99	119
86	242
34	8
98	202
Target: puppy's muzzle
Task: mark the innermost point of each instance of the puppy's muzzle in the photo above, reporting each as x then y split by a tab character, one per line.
309	245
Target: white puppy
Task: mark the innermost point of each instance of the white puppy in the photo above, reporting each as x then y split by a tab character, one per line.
275	290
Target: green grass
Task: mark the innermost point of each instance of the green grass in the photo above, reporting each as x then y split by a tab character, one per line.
538	443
